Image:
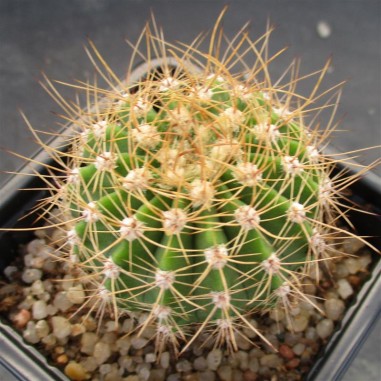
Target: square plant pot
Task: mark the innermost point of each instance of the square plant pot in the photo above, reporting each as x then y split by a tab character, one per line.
24	362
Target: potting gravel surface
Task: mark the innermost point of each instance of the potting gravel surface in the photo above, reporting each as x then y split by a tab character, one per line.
45	302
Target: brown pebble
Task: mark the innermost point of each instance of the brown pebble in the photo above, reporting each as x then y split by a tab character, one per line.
286	352
21	319
59	350
62	359
326	284
191	377
354	280
76	372
292	364
248	375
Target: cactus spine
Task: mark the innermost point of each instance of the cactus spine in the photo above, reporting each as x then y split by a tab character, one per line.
197	196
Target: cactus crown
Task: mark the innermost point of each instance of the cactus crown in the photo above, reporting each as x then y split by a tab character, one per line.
197	195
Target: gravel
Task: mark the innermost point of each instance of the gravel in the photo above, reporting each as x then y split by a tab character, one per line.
51	310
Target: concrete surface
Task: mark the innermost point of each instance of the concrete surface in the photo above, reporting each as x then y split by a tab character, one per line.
46	35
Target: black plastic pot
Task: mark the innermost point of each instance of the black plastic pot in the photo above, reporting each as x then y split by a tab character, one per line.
25	363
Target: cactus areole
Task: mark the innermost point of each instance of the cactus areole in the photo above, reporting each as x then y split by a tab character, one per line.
197	196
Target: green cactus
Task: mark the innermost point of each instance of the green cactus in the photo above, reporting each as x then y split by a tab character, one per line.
196	195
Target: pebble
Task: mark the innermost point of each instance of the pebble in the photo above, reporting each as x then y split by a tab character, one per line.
200	363
89	363
150	357
334	308
61	327
311	333
344	289
286	352
352	245
249	376
298	349
31	275
42	328
49	340
243	360
138	342
214	359
292	364
207	376
9	271
39	310
76	372
183	366
158	375
271	360
298	323
30	334
76	294
77	329
254	365
35	246
61	301
324	328
20	320
365	260
37	288
225	373
323	29
88	341
101	352
353	265
135	356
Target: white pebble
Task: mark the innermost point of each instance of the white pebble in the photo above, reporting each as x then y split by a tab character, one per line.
144	374
42	328
344	288
61	327
76	294
164	360
67	282
88	341
123	345
49	340
9	271
299	348
89	363
61	301
334	308
37	287
31	275
311	333
324	328
353	265
105	368
323	29
102	352
30	334
365	260
150	357
39	310
138	342
35	246
298	323
214	359
52	310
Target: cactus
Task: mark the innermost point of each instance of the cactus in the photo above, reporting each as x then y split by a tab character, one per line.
197	195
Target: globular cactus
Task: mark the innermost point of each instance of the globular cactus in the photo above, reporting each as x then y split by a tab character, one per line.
196	195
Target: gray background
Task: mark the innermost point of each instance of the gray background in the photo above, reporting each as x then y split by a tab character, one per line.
48	36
